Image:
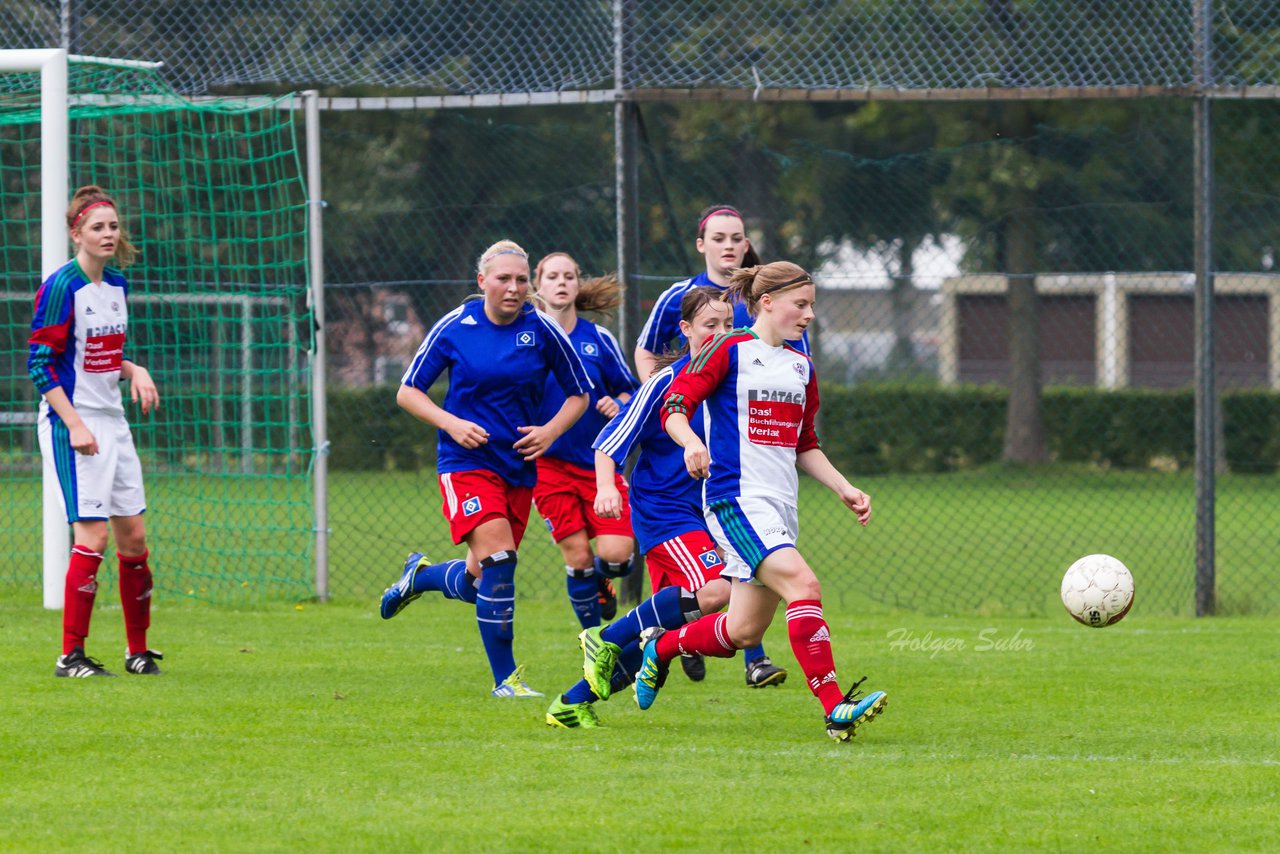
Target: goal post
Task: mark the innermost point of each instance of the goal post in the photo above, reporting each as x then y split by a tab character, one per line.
51	65
213	194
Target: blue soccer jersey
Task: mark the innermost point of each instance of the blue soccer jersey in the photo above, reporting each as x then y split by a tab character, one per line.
665	501
663	324
497	379
610	376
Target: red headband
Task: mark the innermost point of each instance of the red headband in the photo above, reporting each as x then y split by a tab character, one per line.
729	211
84	209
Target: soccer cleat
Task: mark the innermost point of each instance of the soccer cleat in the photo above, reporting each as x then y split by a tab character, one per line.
653	673
598	660
513	686
395	597
77	664
144	663
762	672
571	715
852	711
695	667
608	598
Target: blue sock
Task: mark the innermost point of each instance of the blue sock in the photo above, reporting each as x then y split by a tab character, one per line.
752	654
584	596
496	612
580	693
624	672
450	578
661	609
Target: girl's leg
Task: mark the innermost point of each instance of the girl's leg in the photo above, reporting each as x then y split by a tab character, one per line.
493	550
614	559
90	538
135	579
580	578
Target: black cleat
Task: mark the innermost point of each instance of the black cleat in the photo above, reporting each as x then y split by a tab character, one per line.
695	667
144	663
762	672
77	664
608	598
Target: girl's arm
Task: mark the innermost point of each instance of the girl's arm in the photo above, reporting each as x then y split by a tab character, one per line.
815	463
82	439
697	460
468	434
538	438
608	503
142	389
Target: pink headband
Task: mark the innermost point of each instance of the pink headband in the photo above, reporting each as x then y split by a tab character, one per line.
729	211
86	209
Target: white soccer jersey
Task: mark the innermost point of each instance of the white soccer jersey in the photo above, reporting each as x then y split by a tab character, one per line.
78	338
760	404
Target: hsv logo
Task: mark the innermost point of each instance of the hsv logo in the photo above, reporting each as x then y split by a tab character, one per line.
710	558
588	349
524	339
471	506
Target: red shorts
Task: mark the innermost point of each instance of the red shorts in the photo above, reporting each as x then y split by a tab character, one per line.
689	561
473	497
566	495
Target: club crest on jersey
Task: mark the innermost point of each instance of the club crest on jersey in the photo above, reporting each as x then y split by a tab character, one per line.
799	369
115	306
525	338
588	348
471	506
710	558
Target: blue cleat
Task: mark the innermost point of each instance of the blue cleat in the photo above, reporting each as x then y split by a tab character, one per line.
395	597
652	674
854	710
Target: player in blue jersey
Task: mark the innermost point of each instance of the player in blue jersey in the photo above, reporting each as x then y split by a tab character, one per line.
666	505
722	240
77	359
566	488
499	351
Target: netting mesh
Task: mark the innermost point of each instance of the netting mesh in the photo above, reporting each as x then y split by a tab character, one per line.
912	217
211	195
456	47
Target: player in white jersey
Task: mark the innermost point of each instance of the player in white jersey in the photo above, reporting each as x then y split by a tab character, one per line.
758	398
77	358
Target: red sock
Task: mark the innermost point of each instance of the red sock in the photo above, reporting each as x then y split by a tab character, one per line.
135	597
707	636
811	643
82	585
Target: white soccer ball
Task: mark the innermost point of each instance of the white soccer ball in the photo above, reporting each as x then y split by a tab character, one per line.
1097	590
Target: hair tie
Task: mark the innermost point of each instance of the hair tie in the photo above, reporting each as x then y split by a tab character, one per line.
729	211
86	208
803	278
493	255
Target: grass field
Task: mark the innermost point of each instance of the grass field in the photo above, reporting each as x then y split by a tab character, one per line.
993	541
324	728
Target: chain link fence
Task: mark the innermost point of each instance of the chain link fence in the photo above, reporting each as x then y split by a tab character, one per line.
984	229
515	46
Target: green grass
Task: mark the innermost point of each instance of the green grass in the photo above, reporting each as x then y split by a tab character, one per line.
993	541
324	728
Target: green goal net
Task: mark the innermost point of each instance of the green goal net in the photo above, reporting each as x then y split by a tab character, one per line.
211	193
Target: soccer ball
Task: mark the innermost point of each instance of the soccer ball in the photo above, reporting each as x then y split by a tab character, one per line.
1097	590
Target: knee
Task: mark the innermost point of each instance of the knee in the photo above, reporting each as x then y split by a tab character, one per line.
809	588
713	596
615	552
95	541
746	636
576	554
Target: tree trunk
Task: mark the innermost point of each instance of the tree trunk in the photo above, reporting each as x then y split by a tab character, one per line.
902	358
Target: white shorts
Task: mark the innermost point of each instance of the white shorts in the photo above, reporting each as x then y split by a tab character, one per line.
748	529
107	484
